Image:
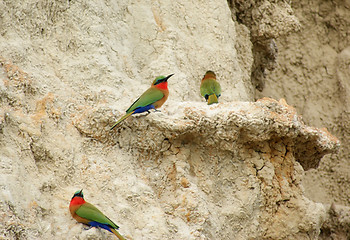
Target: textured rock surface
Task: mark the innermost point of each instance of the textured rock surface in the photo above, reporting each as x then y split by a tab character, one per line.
217	127
189	172
313	75
337	225
69	68
267	21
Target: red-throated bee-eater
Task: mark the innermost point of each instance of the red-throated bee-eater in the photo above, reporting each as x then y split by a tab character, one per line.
210	88
152	98
88	214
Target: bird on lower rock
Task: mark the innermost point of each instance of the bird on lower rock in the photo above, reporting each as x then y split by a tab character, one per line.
88	214
210	88
152	98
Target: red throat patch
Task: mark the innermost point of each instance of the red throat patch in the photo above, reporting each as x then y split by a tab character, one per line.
77	201
163	85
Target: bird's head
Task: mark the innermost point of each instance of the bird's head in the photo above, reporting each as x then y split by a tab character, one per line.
78	193
161	79
210	74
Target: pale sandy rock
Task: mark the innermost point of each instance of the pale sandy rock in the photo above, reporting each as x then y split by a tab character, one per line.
343	75
266	21
313	75
337	223
70	68
238	150
242	177
273	19
190	121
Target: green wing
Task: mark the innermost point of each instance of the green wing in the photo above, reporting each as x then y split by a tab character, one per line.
152	95
90	212
209	87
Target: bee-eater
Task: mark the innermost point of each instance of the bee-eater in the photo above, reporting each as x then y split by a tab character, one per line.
210	88
88	214
152	98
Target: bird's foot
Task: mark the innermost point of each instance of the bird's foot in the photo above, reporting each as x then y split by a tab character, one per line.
156	110
87	227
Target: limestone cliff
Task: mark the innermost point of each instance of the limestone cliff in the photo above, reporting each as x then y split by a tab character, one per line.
69	69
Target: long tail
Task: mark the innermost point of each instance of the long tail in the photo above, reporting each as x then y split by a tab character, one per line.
212	99
120	237
122	119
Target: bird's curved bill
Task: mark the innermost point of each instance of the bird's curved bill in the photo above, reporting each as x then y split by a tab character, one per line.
166	78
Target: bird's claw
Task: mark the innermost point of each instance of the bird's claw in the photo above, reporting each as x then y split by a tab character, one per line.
87	227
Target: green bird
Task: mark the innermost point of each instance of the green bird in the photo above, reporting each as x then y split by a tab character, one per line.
88	214
152	98
210	88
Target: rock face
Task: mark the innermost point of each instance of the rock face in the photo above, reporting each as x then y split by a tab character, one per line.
191	172
313	75
233	170
238	160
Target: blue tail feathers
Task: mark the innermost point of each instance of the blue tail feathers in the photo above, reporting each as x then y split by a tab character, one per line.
100	225
144	109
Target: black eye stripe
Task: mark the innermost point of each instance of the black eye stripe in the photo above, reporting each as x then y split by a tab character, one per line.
159	81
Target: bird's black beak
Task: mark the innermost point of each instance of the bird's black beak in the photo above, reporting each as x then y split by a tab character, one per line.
166	78
78	194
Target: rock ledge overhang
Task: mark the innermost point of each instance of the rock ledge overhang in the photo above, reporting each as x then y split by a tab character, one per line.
222	126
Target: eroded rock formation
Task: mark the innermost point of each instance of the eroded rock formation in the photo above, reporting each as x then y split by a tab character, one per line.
192	171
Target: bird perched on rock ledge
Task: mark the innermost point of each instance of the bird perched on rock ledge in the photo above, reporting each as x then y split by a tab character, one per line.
88	214
153	98
210	88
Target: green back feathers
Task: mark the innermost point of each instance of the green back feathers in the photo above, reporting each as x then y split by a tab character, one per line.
151	96
90	212
210	87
